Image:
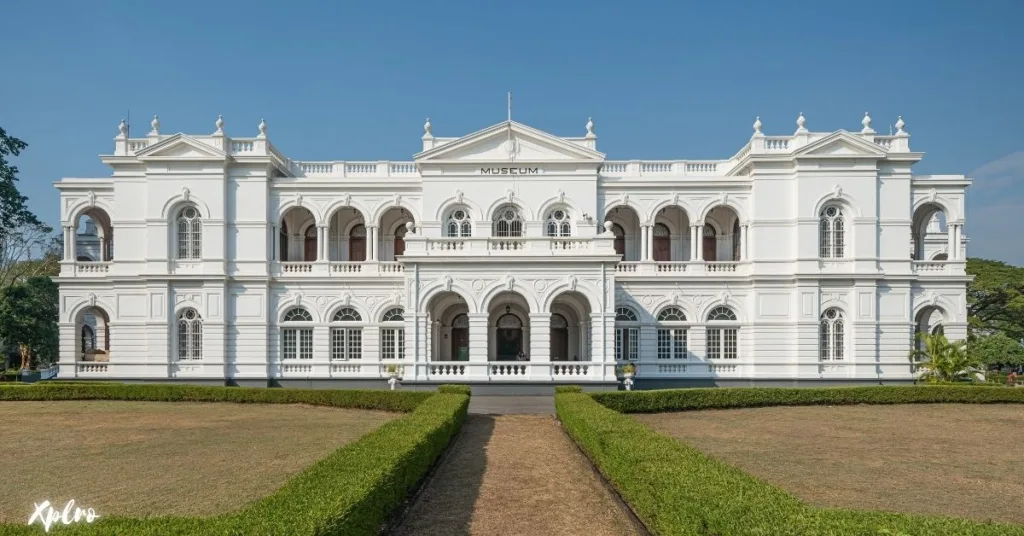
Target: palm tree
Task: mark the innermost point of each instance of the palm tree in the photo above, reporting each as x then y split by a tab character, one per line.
939	360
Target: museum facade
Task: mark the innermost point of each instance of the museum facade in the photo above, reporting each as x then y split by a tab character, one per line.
509	255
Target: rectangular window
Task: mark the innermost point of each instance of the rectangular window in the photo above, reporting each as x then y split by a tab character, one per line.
672	343
627	342
346	343
714	343
730	343
297	343
824	238
392	341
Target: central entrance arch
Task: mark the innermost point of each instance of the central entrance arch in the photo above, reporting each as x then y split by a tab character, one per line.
508	328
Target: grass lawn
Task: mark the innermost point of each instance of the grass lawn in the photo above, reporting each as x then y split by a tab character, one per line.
959	460
153	458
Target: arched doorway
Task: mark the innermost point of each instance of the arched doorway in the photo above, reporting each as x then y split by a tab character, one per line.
449	327
710	243
508	322
559	338
509	334
662	243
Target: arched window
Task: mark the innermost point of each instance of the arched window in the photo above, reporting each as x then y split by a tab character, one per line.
297	334
830	233
671	336
190	335
457	224
346	339
392	334
557	223
830	335
722	334
938	330
627	334
190	234
508	222
88	339
710	243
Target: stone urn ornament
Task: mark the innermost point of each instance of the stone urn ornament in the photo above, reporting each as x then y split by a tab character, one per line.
393	374
628	371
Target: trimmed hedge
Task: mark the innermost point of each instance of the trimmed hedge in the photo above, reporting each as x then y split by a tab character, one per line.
749	397
351	491
403	401
568	389
455	389
676	489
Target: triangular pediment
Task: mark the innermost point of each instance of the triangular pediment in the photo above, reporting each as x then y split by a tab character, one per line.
509	141
841	144
181	146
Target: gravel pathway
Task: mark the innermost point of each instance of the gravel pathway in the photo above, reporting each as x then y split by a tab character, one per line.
515	474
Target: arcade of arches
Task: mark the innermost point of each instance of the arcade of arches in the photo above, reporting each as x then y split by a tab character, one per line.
347	236
510	328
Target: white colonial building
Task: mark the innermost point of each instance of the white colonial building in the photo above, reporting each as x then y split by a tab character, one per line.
509	255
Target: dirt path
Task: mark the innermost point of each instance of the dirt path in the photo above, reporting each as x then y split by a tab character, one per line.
515	474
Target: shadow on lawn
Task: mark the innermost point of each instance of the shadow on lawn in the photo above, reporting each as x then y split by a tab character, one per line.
446	506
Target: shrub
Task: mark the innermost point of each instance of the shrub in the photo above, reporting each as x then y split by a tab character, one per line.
455	389
676	489
748	397
568	389
351	491
358	399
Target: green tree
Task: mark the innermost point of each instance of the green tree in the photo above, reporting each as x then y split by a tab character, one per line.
995	299
996	350
28	318
14	213
939	360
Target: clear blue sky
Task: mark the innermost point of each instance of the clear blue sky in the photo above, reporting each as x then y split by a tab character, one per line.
355	80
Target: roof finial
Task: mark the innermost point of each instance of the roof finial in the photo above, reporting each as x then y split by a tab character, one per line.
155	123
220	125
801	123
263	128
122	129
867	124
899	127
757	126
590	127
426	128
510	105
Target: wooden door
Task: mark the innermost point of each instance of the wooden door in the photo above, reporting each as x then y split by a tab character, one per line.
460	344
357	249
399	246
662	249
309	254
559	344
710	249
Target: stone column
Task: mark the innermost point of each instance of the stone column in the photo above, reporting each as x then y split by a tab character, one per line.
584	352
650	243
371	243
698	243
743	241
68	253
273	243
950	243
320	241
478	337
74	246
958	238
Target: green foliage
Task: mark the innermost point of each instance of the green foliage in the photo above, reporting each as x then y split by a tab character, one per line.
752	397
676	489
351	491
996	350
568	389
13	209
995	299
455	389
28	317
943	361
